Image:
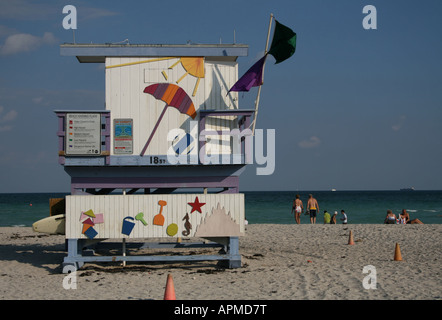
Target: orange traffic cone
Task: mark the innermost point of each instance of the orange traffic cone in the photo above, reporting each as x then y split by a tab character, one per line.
397	253
350	239
169	294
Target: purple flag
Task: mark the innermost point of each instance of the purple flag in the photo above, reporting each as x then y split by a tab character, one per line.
252	78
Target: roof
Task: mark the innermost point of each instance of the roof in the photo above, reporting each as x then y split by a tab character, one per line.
96	53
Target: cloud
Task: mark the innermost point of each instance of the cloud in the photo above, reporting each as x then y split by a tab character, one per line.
25	42
37	100
6	118
398	125
87	13
312	142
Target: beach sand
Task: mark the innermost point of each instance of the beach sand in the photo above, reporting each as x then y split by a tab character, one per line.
279	262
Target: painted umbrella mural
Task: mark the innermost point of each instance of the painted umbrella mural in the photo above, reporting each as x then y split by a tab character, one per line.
173	96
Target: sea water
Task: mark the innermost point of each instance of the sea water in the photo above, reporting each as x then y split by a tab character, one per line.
361	207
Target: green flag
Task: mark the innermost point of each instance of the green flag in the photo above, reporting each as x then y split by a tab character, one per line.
283	43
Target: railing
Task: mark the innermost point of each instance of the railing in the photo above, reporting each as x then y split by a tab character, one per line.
239	139
240	136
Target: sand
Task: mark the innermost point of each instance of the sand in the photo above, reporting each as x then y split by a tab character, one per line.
279	262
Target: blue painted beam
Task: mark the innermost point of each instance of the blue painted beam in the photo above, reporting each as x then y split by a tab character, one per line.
98	52
134	258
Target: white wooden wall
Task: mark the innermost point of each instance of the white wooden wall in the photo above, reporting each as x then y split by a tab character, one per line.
125	99
116	207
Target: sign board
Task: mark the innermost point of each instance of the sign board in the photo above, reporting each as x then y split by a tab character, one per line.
155	215
83	134
123	136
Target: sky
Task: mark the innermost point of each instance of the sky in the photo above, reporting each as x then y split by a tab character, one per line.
352	109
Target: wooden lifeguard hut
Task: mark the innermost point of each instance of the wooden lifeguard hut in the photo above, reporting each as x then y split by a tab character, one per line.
163	159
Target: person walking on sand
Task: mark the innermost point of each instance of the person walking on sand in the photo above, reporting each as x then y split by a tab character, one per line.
298	207
313	207
344	218
333	218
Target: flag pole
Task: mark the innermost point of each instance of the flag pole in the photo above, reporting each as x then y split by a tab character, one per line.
259	88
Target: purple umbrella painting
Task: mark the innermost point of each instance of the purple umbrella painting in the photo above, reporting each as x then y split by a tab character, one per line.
174	96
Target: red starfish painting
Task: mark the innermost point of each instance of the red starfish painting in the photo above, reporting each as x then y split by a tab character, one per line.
196	205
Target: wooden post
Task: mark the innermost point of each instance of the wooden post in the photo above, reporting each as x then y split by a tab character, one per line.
259	88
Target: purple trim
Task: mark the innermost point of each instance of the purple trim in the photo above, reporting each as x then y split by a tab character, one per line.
153	182
61	132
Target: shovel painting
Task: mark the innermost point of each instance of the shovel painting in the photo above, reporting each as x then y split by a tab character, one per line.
159	218
173	96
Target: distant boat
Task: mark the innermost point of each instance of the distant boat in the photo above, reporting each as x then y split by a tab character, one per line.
333	189
407	189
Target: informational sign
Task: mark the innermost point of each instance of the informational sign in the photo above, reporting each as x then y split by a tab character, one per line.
83	134
123	136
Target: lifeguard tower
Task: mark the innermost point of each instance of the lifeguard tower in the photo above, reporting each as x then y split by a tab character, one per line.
163	159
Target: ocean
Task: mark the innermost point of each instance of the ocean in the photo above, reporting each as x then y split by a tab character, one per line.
362	207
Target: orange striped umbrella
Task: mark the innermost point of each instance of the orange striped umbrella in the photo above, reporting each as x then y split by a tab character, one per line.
173	96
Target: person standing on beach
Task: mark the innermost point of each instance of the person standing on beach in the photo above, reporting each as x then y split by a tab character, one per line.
298	207
333	218
313	207
344	218
326	217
